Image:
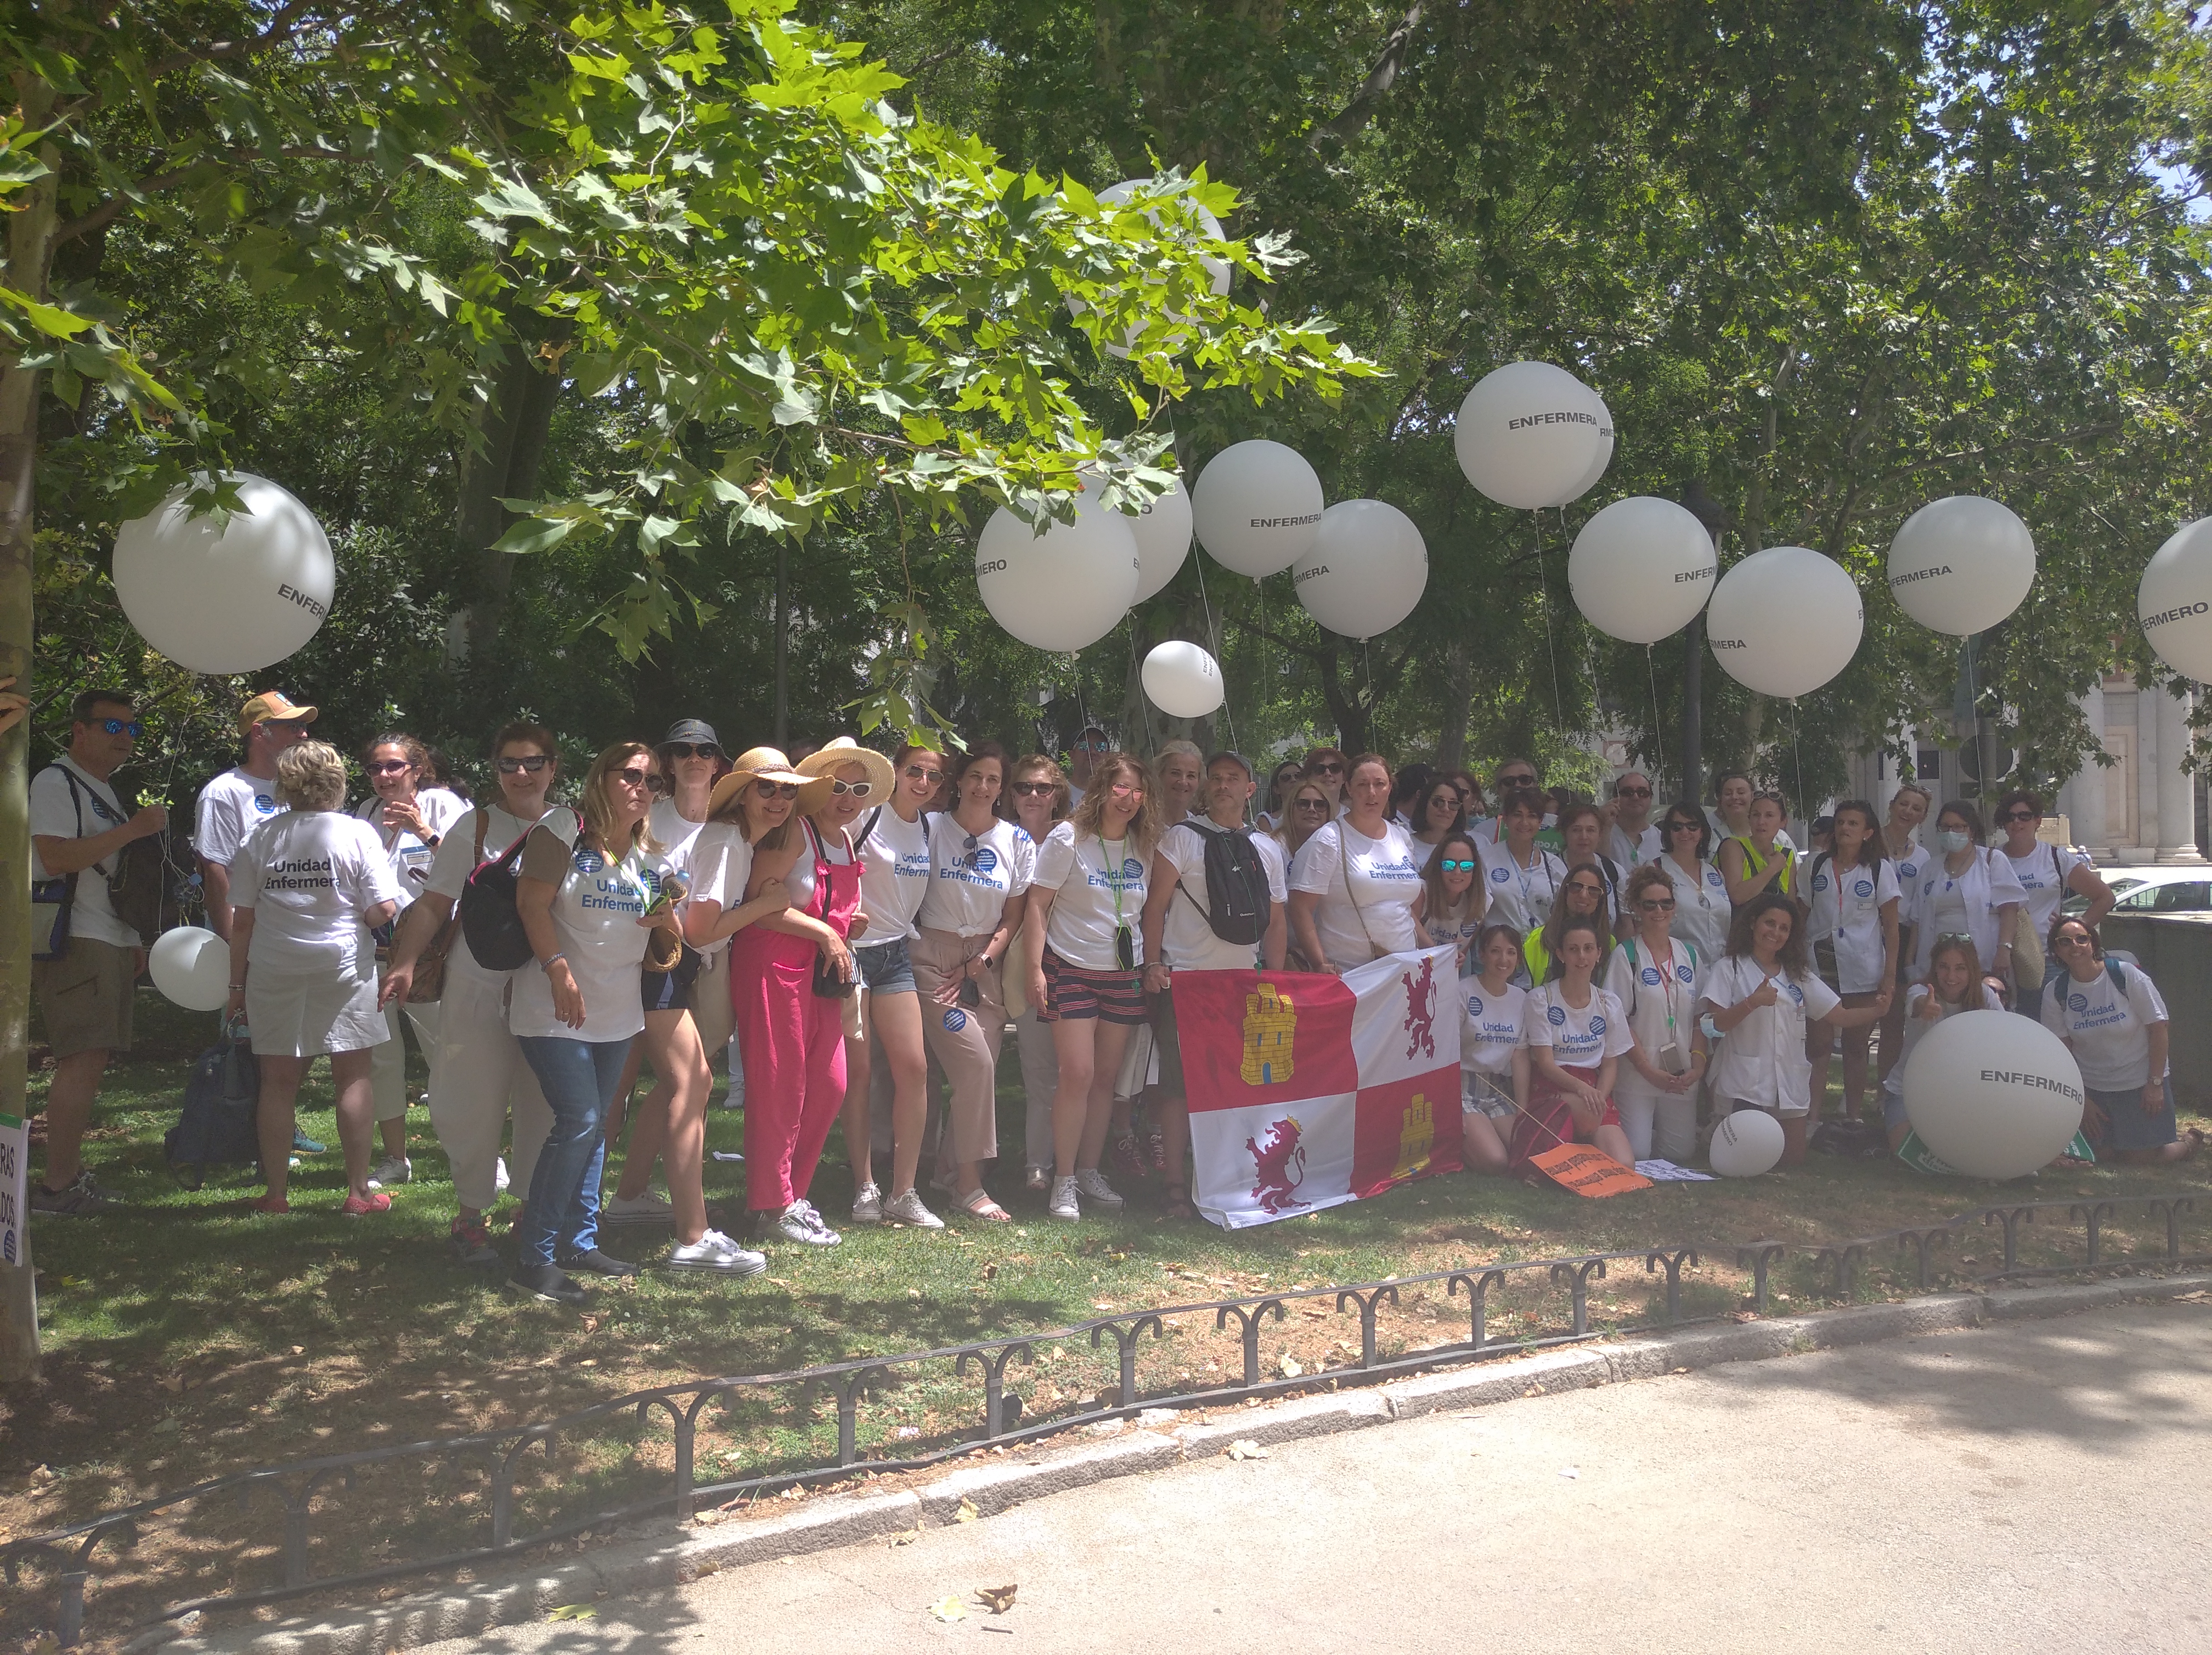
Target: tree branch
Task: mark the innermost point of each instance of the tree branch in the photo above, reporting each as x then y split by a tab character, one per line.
1389	62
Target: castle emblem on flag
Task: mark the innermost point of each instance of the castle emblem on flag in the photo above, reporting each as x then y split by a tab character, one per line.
1421	1008
1271	1026
1417	1136
1279	1166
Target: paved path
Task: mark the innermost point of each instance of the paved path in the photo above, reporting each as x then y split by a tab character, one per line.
2044	1485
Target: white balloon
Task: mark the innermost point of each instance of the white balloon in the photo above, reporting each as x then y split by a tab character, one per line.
1528	433
191	966
1641	568
1746	1144
1961	564
1993	1094
1217	271
1183	680
1064	589
1784	621
1256	506
2174	601
1368	568
230	600
1163	532
1588	479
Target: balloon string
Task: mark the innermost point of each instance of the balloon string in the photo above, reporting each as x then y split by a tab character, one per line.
1797	762
1144	701
1220	665
1544	603
1658	736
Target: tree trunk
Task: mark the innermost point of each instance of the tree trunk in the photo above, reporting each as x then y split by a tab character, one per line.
30	256
782	721
1459	686
515	425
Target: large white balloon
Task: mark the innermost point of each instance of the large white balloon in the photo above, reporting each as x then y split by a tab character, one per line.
1183	680
1256	506
1641	568
1368	568
1961	564
1163	532
1583	484
1217	271
2174	601
233	599
191	967
1993	1095
1784	621
1746	1144
1064	589
1528	433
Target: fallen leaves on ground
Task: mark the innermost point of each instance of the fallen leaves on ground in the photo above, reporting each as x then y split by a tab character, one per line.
950	1610
997	1599
1245	1449
573	1612
967	1513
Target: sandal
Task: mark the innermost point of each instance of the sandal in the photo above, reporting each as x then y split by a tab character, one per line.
1156	1150
984	1207
1175	1202
2196	1136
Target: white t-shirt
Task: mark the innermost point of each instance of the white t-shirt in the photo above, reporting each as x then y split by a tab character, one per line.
411	858
1466	928
969	886
1187	940
309	876
94	811
1846	905
457	852
2110	1032
1579	1037
894	875
2043	874
1631	853
721	864
1385	882
1911	865
1519	896
1654	990
232	807
1702	908
1915	1026
1101	887
595	913
674	832
1763	1058
1492	1026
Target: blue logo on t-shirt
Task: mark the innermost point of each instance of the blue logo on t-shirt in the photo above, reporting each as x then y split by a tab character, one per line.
1863	888
1133	870
1499	876
1682	973
1796	994
264	804
100	809
982	858
1597	1026
1651	975
1820	882
1474	1005
589	861
1558	1015
1713	877
2079	1002
955	1019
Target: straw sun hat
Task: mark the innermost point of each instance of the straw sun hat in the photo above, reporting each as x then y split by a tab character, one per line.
769	764
824	762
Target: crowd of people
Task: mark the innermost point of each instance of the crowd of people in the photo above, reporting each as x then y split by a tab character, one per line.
853	934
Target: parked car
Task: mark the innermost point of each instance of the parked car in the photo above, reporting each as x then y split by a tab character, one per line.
2154	891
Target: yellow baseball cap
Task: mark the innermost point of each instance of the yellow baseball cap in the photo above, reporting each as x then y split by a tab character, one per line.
270	706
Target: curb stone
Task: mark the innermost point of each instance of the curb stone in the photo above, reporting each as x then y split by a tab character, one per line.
638	1565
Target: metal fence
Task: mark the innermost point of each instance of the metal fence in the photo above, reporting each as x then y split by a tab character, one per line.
286	1493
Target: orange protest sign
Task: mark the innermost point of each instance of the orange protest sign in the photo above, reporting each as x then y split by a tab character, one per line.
1588	1172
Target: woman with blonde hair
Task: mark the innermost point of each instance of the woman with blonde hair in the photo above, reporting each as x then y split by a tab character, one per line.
1083	907
1041	800
591	910
306	886
1309	811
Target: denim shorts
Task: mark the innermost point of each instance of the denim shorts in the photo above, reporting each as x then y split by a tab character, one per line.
2126	1125
886	968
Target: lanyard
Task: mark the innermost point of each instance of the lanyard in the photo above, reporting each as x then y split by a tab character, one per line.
1113	878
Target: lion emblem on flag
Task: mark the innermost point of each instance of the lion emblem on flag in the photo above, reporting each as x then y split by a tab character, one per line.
1279	1166
1421	1009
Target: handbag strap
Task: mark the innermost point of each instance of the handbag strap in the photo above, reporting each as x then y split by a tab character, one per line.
1344	866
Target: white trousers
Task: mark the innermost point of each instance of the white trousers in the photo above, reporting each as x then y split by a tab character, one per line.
387	1063
476	1075
1659	1124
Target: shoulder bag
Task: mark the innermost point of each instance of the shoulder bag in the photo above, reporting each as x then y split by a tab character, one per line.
430	983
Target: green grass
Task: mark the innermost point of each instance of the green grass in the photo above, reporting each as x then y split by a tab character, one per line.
186	1337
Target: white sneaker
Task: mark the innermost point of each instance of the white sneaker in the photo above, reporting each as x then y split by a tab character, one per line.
868	1204
651	1207
802	1223
908	1209
392	1169
499	1179
1095	1187
1063	1203
716	1251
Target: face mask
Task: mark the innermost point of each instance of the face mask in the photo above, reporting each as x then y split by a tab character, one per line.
1954	842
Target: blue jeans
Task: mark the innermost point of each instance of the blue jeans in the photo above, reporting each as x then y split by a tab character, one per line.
578	1078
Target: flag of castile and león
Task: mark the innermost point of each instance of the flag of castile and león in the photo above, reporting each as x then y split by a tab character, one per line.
1309	1090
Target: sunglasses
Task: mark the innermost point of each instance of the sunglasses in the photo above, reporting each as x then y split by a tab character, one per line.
1655	904
2065	939
689	750
1516	781
768	789
2010	816
1033	789
1310	804
129	727
858	789
1582	885
651	780
924	773
1453	865
534	764
1126	790
1328	769
1685	827
388	766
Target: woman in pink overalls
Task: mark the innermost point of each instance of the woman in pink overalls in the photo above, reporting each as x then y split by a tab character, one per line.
785	972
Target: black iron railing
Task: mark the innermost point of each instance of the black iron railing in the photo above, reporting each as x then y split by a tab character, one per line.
68	1553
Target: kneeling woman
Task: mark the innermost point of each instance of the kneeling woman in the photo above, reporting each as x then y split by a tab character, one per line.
1577	1032
1954	984
1493	1055
588	910
2112	1019
1762	997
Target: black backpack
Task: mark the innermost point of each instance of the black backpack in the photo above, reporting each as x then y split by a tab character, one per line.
1238	907
215	1128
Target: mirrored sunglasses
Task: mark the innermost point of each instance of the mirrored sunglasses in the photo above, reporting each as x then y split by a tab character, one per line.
129	727
1453	865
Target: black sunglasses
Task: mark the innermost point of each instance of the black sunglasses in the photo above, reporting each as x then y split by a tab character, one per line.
534	764
769	789
2009	816
651	780
691	750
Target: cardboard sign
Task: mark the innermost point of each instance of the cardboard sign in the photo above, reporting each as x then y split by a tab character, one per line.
1588	1172
15	1186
